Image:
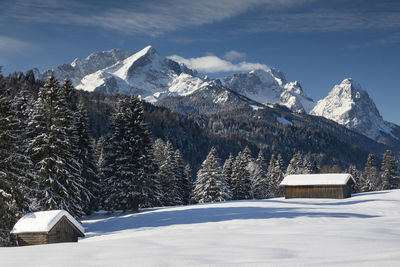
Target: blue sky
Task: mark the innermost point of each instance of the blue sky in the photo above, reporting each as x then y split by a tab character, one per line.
317	42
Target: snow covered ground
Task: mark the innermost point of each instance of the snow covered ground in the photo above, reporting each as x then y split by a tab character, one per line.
361	231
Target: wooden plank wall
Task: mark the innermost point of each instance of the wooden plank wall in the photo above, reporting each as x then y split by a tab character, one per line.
32	239
63	231
336	191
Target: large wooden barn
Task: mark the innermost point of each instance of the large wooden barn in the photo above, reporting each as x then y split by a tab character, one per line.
332	185
46	227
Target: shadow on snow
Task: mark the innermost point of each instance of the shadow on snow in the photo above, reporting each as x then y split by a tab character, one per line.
159	218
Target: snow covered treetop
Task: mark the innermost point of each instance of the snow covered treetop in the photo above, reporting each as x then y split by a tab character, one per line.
43	221
317	179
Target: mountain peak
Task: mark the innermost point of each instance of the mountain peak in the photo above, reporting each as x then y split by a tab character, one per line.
348	104
148	50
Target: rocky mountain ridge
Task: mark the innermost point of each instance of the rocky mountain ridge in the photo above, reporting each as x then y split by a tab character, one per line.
154	77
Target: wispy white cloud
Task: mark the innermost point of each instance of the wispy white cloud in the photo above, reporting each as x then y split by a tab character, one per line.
148	17
322	17
234	55
214	64
10	45
158	17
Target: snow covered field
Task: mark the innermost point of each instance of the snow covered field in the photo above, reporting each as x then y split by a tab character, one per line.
361	231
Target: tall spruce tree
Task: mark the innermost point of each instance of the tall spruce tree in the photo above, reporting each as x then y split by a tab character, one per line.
371	175
389	171
184	186
241	179
227	169
260	179
353	171
90	193
168	178
11	179
296	164
53	147
189	180
130	179
275	176
211	184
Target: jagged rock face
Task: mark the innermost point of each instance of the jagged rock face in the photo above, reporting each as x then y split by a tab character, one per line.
349	105
80	68
153	77
269	87
144	73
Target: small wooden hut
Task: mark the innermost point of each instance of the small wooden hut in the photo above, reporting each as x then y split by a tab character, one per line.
332	185
47	227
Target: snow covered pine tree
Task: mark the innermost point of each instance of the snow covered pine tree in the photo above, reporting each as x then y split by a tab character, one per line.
211	184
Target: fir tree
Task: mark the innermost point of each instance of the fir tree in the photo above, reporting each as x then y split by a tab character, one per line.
130	179
307	166
389	171
275	176
53	149
371	175
90	193
8	208
99	155
260	178
355	174
169	180
295	165
241	178
227	169
189	180
211	184
183	183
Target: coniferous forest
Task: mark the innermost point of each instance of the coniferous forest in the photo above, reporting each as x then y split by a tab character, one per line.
61	148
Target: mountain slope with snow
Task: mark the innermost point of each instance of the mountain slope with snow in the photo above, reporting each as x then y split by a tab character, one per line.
144	73
153	77
360	231
270	87
349	105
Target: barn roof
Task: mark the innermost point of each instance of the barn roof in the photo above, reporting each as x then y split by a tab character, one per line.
43	221
317	179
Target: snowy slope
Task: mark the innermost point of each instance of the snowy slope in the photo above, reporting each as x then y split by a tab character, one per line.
269	87
348	104
80	68
360	231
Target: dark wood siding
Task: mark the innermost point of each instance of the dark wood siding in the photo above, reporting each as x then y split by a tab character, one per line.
318	191
25	239
63	231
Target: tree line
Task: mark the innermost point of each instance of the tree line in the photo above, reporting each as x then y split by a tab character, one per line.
244	177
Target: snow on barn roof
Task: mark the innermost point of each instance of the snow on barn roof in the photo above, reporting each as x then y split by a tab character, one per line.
317	179
43	221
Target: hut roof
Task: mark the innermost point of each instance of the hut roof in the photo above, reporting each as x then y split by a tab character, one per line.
317	179
43	221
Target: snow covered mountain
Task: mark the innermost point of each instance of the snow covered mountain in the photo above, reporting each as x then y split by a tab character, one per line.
80	68
144	73
349	105
270	87
153	77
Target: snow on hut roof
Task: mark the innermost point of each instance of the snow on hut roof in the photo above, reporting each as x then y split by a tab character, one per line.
43	221
317	179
